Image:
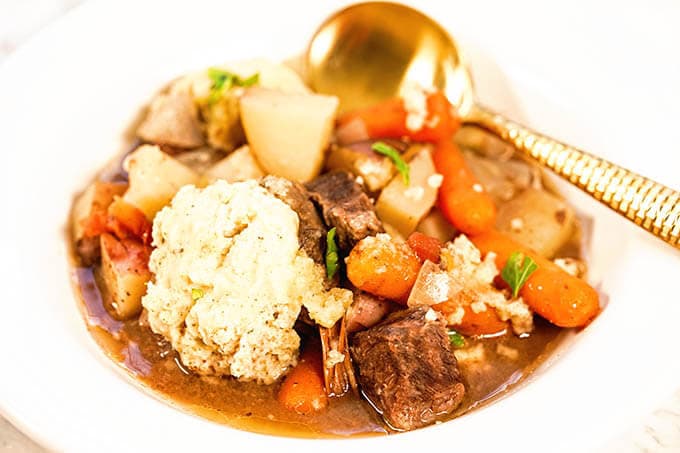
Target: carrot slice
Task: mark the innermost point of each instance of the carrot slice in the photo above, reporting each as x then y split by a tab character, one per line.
389	119
303	389
462	200
562	299
484	322
383	267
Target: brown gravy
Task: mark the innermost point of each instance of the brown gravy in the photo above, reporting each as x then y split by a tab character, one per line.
253	407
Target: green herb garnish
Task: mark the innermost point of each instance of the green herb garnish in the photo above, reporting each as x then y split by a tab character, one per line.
331	254
196	293
223	80
456	339
517	270
389	151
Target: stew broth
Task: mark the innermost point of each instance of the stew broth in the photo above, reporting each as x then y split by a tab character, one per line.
254	407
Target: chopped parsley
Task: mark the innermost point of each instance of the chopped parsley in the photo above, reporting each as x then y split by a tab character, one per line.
517	270
389	151
331	254
223	80
456	339
196	293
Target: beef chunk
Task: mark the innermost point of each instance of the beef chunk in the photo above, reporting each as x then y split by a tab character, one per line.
345	206
172	120
312	231
407	368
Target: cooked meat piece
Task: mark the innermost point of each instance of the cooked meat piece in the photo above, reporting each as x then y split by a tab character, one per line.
172	120
345	206
312	232
366	311
407	368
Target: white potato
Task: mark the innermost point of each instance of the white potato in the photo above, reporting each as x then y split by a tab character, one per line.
237	166
288	132
404	206
435	225
537	219
155	178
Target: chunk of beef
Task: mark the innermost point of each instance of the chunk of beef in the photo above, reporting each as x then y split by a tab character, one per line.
312	231
407	368
345	206
172	120
366	311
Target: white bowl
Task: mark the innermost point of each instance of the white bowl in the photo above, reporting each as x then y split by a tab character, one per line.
67	97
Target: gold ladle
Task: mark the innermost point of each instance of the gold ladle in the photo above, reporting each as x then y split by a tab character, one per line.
366	52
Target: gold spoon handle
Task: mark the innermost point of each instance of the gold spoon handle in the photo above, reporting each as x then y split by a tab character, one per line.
651	205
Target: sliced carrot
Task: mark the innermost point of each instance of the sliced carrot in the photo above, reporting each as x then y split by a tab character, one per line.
383	267
462	199
425	247
388	120
303	389
127	221
486	322
562	299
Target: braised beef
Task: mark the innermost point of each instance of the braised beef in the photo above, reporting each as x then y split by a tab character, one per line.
312	231
344	205
172	120
366	311
407	368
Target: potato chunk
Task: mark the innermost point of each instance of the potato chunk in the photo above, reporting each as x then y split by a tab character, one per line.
404	206
237	166
124	272
288	132
538	220
155	177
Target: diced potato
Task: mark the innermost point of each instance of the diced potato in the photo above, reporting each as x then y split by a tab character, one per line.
435	225
93	203
237	166
125	273
374	169
288	133
404	206
155	178
538	220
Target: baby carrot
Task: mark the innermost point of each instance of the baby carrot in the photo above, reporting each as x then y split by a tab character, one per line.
389	120
383	267
562	299
303	389
462	200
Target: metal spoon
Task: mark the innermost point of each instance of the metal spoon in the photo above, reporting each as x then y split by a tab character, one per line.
365	53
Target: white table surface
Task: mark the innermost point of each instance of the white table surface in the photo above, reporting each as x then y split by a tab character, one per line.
658	432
